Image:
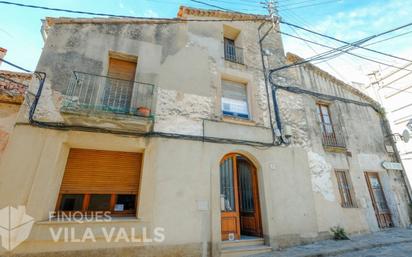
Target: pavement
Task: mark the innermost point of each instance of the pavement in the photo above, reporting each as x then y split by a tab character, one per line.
390	242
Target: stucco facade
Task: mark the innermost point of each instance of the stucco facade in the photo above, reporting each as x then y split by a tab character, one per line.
180	181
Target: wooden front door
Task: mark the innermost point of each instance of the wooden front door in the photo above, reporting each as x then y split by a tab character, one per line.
240	210
382	212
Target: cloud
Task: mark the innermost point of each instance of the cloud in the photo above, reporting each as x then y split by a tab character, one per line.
366	19
352	24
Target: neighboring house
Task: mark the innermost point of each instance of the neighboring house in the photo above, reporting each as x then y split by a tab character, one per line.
12	89
168	124
393	90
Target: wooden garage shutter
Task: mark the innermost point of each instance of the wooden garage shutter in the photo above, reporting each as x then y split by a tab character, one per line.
95	171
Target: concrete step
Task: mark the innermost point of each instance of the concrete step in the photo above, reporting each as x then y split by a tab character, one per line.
239	251
243	242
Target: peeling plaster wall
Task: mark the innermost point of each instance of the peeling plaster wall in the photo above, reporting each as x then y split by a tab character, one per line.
185	116
184	58
186	63
364	135
321	173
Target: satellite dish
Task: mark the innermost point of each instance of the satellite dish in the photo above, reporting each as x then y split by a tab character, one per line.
406	136
409	125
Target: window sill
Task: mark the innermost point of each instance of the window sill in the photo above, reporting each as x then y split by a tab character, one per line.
238	121
112	220
335	149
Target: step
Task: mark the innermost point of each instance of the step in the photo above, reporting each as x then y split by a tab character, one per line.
243	242
239	251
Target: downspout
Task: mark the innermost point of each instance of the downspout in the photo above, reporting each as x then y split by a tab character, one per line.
268	83
266	80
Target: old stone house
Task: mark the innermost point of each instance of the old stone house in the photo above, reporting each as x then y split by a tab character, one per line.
172	124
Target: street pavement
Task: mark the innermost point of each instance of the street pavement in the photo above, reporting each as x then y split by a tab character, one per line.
394	242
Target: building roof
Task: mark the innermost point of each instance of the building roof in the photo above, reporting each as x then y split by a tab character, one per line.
185	11
293	58
182	16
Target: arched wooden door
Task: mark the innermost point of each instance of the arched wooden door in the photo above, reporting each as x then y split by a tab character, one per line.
239	198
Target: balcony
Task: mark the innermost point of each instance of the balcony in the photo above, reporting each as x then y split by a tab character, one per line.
332	136
108	103
100	94
233	53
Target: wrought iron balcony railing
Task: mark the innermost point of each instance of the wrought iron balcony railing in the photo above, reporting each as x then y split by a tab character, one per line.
332	136
89	92
233	53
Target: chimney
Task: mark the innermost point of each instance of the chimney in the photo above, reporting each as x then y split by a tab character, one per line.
3	52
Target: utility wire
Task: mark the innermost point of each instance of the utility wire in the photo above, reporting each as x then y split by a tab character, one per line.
15	65
336	49
386	39
361	47
257	18
310	5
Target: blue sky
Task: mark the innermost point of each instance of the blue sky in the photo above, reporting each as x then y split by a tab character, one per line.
345	19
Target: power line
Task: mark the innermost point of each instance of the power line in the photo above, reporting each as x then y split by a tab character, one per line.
310	5
316	52
339	50
256	18
386	39
361	47
15	65
211	5
307	25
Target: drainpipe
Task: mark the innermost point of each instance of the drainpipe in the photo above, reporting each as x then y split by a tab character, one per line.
276	132
266	79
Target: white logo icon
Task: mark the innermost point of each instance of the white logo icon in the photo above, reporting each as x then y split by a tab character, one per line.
15	226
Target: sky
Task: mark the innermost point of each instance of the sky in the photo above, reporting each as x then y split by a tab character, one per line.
348	20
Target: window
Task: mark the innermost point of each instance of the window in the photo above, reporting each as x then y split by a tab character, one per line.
332	135
324	118
234	99
97	180
345	188
233	52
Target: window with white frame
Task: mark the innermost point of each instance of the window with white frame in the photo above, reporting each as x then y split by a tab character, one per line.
234	99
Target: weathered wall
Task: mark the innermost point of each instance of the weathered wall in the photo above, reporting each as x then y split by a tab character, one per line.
297	186
164	201
364	134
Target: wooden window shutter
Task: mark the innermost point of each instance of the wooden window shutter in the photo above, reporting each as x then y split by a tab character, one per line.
98	172
121	69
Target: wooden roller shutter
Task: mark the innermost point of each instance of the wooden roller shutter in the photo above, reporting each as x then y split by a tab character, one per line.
101	172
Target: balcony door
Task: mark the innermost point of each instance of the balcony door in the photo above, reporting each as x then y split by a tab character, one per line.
118	89
382	212
240	208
